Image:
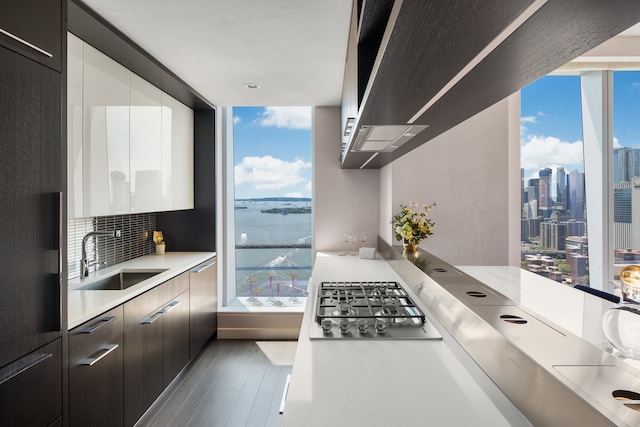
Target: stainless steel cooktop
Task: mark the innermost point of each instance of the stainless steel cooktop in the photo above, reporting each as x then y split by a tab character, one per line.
368	310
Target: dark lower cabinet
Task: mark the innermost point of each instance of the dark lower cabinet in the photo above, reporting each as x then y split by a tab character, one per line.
31	388
96	390
142	366
175	337
203	304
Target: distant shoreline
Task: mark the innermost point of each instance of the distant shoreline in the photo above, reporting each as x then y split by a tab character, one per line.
276	199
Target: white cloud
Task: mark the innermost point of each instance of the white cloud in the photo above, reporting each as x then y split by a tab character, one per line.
286	117
269	173
236	120
293	194
635	84
539	151
616	143
529	119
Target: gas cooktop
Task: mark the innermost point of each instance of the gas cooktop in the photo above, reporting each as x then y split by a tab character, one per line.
368	310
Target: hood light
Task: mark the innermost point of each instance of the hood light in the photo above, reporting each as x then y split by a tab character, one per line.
252	86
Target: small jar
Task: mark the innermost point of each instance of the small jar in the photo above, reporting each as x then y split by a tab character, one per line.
160	247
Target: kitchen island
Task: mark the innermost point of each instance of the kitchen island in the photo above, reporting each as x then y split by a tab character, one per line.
343	382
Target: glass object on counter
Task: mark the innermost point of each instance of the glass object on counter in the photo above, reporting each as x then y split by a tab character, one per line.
621	324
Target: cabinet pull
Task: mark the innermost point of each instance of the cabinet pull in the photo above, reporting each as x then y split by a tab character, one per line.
22	365
100	324
155	316
99	355
170	306
26	43
203	267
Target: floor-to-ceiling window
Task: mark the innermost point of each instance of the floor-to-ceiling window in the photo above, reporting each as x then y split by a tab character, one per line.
604	106
553	217
269	227
626	167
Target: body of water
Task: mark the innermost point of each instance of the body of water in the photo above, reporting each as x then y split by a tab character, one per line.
270	270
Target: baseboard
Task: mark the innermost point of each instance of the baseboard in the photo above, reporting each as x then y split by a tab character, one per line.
259	326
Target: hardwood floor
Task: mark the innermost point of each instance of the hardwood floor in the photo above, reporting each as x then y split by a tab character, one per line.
230	383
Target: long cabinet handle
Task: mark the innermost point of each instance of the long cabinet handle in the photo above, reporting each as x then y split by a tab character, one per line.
155	316
26	43
22	365
99	355
203	267
99	324
170	306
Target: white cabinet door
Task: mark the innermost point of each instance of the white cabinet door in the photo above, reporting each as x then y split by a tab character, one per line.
74	127
177	155
105	135
145	145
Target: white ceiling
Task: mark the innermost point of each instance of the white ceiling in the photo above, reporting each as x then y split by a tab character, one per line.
294	49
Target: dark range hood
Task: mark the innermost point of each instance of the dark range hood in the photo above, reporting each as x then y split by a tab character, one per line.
417	68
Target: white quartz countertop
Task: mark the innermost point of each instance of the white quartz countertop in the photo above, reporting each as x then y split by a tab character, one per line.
84	305
386	382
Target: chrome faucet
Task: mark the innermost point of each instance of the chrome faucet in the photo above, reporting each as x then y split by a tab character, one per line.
84	262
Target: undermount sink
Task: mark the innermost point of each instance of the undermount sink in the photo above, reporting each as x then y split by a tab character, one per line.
122	280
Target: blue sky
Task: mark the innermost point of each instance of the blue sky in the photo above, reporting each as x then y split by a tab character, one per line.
551	124
272	151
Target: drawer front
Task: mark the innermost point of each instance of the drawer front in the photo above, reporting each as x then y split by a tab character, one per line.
96	394
33	28
30	388
145	304
87	337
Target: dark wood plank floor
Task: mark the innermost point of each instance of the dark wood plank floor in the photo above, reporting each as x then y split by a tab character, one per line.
231	383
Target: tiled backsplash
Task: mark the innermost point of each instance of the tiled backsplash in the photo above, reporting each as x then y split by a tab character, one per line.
136	240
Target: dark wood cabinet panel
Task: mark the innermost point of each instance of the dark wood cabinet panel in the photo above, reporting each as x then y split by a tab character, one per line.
96	389
37	23
175	337
31	388
96	386
203	305
30	179
142	366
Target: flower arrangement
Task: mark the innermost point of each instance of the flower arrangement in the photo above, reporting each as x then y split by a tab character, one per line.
412	225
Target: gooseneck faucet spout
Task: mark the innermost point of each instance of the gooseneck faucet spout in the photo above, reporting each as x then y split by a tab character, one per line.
84	262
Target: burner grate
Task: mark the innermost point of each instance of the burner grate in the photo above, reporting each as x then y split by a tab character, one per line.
367	300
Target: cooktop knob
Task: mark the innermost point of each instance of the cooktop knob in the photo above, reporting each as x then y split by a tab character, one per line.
363	326
344	326
381	326
327	324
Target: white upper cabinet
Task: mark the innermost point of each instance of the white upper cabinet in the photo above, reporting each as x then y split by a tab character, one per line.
177	155
145	145
105	135
130	145
74	127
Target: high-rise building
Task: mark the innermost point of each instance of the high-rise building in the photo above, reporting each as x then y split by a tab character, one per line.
575	190
626	164
561	187
545	203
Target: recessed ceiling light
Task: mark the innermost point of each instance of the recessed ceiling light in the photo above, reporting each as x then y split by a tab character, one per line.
252	86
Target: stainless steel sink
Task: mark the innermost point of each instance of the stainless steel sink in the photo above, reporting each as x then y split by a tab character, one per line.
122	280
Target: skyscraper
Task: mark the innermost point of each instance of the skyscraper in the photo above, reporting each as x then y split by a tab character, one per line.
575	190
561	187
545	203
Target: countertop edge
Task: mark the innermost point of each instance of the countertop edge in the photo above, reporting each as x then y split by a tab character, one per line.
84	305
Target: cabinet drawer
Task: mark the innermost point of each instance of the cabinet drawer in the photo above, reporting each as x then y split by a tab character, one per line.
33	28
85	338
143	305
30	388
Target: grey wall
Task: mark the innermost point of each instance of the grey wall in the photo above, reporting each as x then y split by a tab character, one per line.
472	172
344	201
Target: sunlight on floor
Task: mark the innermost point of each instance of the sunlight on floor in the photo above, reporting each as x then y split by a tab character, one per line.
280	353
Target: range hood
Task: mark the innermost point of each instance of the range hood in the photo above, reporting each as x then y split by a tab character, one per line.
436	64
384	138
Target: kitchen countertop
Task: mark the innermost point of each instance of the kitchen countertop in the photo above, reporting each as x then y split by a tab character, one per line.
84	305
387	382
